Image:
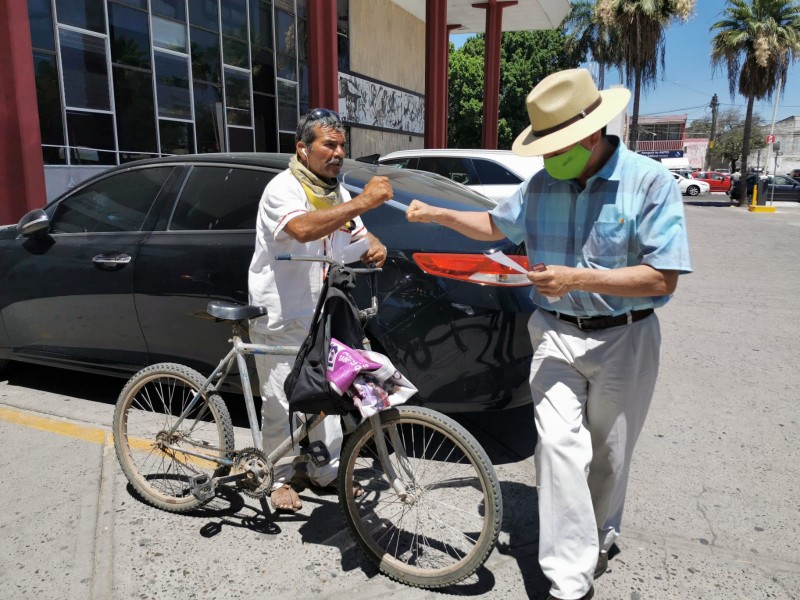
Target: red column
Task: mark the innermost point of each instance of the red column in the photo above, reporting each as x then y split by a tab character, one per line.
436	48
491	70
21	165
323	54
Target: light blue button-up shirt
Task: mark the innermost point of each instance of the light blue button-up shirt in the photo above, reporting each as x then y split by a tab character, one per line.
630	213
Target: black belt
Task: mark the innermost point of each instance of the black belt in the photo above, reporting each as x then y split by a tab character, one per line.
603	322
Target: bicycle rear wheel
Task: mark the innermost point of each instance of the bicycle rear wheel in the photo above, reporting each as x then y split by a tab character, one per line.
146	410
445	529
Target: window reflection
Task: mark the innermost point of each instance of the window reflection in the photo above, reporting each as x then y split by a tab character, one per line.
285	41
130	36
40	15
89	134
83	58
172	80
261	23
205	55
233	15
133	99
287	105
86	14
208	117
48	98
234	52
203	13
174	9
176	137
237	97
170	35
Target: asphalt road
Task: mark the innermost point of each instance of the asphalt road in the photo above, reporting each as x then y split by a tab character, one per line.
713	508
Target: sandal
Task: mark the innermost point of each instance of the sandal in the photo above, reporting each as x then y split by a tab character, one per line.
285	499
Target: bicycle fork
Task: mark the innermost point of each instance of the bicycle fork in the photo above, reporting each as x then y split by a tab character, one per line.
383	455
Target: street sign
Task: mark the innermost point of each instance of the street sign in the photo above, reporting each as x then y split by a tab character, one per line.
770	139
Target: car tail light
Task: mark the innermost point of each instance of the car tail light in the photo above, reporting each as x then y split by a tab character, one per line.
473	267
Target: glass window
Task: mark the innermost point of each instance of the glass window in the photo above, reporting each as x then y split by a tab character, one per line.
234	52
54	156
233	15
303	101
457	169
174	9
169	34
130	36
286	142
117	203
286	45
176	137
89	134
264	120
287	106
237	97
491	173
302	39
137	3
40	15
399	163
83	61
203	13
343	46
136	118
217	198
205	55
208	117
240	139
48	98
172	80
86	14
261	23
263	70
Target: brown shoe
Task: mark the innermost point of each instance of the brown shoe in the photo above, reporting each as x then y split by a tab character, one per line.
587	596
602	565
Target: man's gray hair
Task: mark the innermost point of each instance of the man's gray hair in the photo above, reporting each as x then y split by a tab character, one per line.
305	128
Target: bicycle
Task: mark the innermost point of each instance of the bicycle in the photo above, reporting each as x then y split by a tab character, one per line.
429	508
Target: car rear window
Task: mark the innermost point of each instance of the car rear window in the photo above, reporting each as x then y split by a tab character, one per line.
220	197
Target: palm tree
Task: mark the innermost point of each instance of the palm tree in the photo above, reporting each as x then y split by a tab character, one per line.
640	42
756	41
587	34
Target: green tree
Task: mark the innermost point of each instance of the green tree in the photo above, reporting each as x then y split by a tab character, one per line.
729	140
756	41
640	42
527	57
588	37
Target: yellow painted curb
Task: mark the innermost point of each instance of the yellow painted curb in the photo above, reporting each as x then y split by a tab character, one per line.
73	430
761	209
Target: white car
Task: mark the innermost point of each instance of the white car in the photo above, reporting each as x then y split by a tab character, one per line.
691	187
493	173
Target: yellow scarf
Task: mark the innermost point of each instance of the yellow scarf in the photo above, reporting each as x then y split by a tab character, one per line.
320	194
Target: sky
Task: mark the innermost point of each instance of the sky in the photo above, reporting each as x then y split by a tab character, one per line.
688	82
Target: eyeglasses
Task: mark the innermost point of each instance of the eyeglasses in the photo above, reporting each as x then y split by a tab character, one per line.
322	113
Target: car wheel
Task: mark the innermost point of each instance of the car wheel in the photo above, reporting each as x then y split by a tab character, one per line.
692	190
3	364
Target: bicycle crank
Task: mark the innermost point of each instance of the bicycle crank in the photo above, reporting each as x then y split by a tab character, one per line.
252	472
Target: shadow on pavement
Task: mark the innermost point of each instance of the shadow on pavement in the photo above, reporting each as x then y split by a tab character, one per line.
87	386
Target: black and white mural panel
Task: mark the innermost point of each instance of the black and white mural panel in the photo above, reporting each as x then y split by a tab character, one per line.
368	103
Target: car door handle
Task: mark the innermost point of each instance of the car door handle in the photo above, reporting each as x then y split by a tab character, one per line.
111	260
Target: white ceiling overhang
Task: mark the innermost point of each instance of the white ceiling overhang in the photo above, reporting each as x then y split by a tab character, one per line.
523	16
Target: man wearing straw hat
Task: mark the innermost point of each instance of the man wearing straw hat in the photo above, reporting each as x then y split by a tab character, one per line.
608	226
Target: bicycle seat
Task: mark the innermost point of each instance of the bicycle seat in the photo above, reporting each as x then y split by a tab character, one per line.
228	311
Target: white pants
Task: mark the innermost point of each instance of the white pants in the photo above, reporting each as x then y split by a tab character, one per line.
272	372
591	392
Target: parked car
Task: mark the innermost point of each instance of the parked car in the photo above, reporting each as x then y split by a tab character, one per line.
116	274
718	182
691	187
723	171
778	187
493	173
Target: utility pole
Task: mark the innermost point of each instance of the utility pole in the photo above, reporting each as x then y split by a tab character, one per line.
772	126
714	107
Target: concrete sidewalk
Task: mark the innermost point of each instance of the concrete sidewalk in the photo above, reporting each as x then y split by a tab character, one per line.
712	510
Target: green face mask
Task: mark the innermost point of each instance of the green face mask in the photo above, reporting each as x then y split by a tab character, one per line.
569	164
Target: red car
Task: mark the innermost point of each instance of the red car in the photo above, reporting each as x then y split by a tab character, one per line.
719	182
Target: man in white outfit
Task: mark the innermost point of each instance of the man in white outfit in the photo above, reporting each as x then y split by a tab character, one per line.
608	228
303	210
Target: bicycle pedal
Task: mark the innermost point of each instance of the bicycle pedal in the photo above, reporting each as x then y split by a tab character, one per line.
318	453
201	487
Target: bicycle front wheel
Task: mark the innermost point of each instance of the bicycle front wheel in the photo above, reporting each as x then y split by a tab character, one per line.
150	456
441	524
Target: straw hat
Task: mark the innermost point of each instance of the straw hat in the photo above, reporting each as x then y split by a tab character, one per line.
564	108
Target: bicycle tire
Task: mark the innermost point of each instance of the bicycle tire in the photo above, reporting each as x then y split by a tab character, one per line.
146	408
448	531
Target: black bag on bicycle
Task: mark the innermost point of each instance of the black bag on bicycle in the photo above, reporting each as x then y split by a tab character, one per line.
336	315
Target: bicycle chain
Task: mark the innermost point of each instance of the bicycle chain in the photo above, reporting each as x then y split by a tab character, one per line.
255	487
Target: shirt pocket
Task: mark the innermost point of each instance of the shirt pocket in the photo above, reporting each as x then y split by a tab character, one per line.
606	247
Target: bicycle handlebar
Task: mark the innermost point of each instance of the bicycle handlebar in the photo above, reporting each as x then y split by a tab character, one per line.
327	260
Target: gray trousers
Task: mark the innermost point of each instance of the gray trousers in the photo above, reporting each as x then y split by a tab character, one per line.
591	393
